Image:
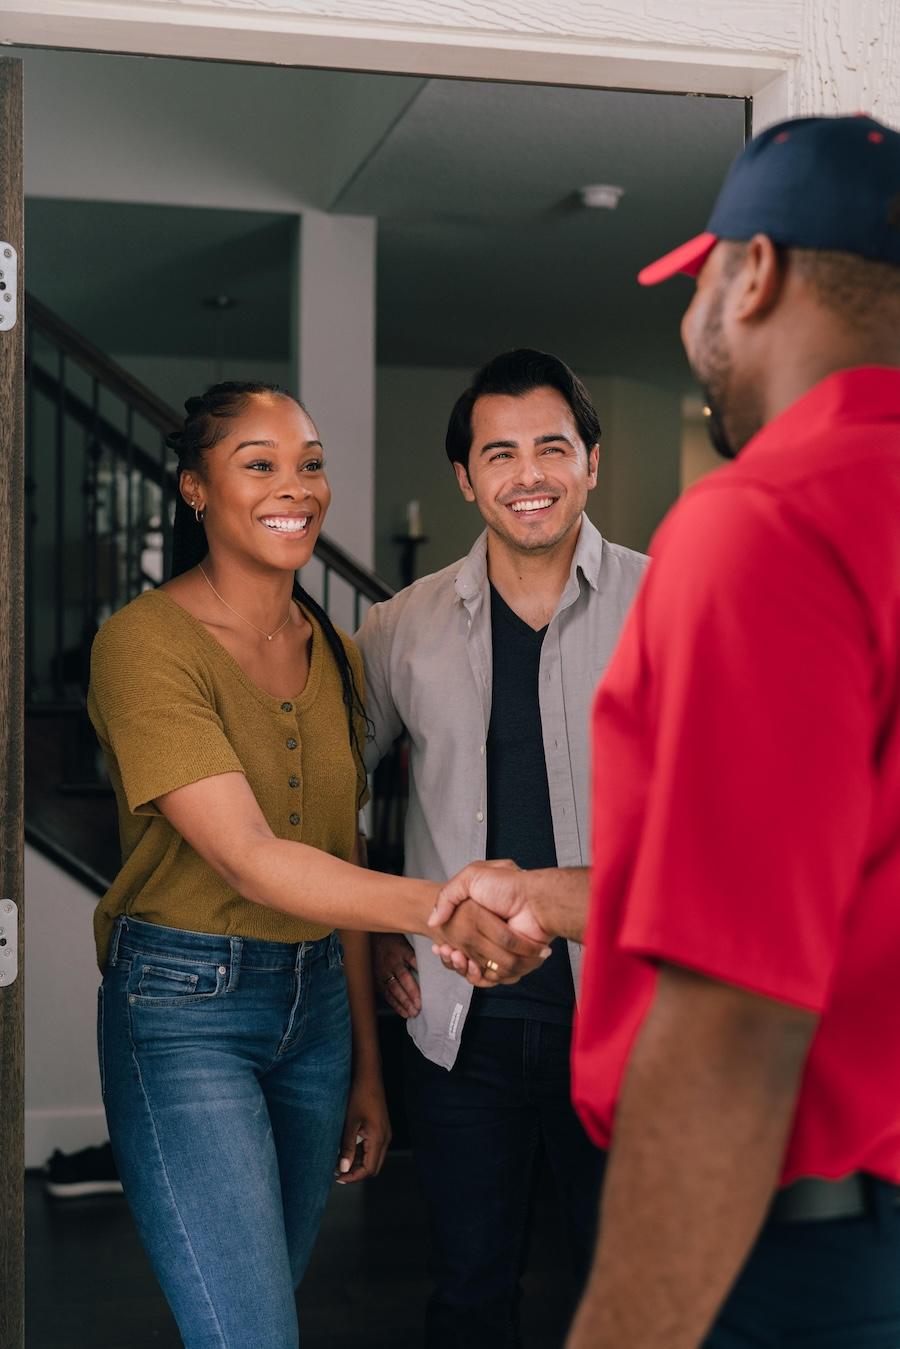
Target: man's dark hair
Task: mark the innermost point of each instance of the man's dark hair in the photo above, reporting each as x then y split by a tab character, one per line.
863	292
516	373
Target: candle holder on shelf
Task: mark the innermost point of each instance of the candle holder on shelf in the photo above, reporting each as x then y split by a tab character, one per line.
408	543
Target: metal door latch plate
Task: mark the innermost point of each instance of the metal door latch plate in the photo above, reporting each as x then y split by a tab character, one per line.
9	938
9	290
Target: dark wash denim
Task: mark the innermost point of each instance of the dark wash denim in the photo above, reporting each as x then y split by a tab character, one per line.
476	1132
225	1067
819	1285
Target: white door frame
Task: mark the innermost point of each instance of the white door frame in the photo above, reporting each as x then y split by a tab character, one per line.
790	56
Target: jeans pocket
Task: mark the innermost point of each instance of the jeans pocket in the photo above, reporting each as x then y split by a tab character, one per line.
100	1058
161	981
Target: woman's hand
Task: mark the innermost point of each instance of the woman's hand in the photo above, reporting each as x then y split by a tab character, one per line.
367	1131
484	948
393	963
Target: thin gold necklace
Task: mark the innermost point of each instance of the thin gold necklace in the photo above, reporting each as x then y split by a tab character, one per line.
268	635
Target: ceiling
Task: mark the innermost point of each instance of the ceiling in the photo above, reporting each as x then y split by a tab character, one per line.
482	240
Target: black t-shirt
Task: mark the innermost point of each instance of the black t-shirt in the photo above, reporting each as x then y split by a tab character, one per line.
520	825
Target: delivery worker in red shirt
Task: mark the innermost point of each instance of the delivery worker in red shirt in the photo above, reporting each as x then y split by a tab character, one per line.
738	1040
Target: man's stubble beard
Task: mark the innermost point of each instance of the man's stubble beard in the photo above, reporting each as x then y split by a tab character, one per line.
542	546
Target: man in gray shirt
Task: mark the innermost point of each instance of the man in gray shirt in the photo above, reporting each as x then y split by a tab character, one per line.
490	666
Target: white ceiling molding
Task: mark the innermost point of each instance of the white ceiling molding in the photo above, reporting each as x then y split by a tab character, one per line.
793	56
710	46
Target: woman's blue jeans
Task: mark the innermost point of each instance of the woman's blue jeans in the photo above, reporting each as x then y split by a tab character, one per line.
225	1066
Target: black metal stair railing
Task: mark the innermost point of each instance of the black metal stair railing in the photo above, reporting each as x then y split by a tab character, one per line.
100	492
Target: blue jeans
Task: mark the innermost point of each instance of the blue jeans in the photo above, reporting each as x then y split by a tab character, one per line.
225	1066
476	1132
819	1285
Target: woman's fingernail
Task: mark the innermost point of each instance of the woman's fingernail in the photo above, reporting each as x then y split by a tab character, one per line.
344	1166
546	952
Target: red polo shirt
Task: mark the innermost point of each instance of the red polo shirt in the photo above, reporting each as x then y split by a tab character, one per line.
747	769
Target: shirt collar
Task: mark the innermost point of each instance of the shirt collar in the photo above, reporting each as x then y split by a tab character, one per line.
471	579
864	393
472	575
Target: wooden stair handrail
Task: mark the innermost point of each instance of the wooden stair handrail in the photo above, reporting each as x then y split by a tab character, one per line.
93	360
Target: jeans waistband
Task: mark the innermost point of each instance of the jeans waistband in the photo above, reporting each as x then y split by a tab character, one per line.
131	936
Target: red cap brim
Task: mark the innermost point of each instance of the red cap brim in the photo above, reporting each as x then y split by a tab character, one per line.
688	258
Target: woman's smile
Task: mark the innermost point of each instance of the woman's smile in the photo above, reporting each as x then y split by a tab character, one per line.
295	526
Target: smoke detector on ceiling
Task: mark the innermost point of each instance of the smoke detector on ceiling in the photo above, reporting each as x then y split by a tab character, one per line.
601	196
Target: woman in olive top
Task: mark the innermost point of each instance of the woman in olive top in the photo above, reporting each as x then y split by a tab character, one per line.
230	713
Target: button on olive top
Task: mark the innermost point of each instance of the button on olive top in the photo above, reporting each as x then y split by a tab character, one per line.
287	707
172	707
293	781
294	818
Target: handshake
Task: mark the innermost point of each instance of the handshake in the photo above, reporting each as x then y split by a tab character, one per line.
492	923
486	923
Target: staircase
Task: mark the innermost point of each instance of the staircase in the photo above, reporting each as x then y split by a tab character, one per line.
100	492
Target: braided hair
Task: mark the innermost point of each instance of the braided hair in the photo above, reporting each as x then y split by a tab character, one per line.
204	426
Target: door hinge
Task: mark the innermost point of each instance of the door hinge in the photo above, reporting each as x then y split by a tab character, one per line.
9	289
9	941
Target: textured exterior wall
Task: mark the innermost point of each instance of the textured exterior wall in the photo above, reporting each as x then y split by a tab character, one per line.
850	58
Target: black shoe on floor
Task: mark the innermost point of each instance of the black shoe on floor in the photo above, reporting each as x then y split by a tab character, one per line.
75	1175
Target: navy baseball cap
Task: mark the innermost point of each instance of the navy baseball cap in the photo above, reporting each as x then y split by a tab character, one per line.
811	182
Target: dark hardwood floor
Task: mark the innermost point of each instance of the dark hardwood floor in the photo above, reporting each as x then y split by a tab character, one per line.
89	1286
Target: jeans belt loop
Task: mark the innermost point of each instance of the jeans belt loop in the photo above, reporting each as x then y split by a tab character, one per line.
119	927
334	958
234	964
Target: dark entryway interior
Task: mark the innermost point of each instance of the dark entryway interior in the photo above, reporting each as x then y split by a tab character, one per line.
88	1281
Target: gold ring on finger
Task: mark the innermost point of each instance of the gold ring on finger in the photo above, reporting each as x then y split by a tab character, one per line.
492	966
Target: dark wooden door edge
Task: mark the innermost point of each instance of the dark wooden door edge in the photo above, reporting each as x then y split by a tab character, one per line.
12	1157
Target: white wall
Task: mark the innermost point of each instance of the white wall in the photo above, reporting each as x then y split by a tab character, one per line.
640	474
63	1108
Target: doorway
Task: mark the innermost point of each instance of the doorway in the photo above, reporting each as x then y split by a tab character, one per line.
469	182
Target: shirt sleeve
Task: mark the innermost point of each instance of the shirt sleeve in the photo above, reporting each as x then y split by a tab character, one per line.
374	641
757	657
153	716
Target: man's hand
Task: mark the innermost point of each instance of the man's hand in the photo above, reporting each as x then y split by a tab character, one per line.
490	951
393	964
536	903
496	885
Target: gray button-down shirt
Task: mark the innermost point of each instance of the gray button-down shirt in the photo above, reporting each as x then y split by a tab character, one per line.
427	655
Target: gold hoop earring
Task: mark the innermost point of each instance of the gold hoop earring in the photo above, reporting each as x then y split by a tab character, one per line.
199	513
